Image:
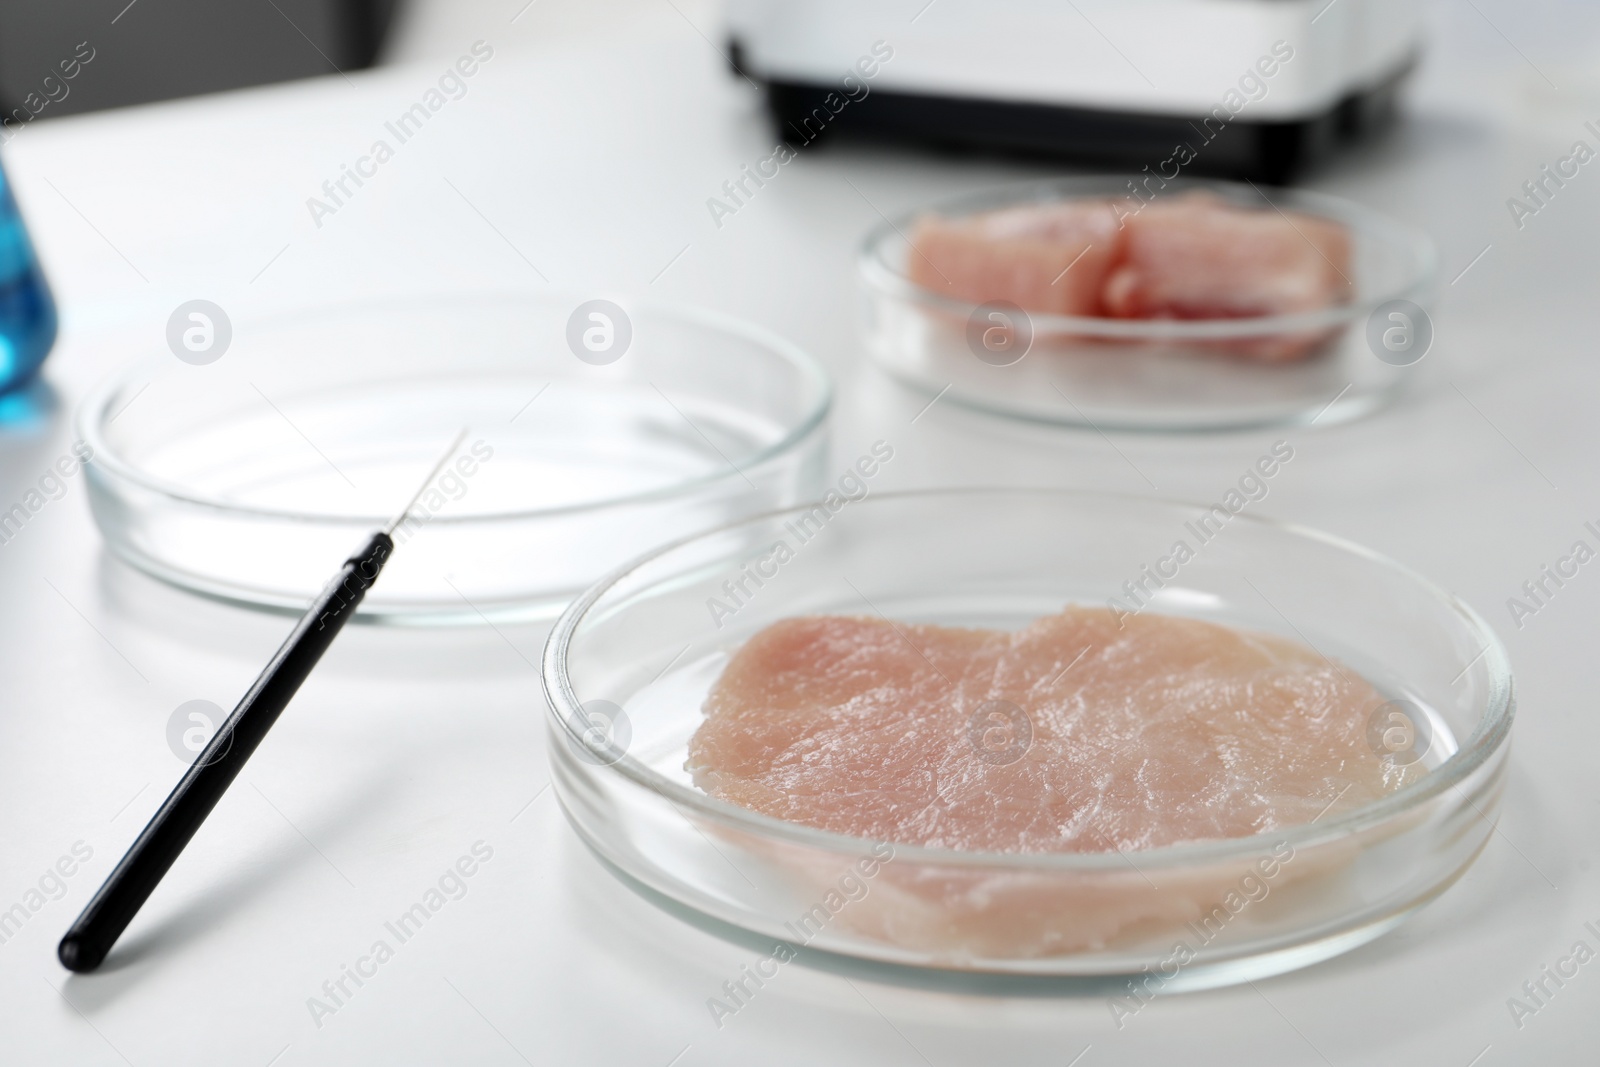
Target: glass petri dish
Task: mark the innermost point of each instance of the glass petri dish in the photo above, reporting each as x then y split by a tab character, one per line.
1155	374
628	665
250	478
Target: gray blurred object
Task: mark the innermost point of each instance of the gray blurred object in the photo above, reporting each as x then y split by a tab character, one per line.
61	58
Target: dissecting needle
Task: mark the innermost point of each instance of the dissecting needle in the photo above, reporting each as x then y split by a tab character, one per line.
85	945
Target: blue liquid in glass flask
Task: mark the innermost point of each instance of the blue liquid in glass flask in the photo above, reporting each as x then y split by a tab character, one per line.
27	313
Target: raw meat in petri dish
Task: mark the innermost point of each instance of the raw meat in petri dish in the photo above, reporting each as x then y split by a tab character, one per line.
1189	256
1072	735
1042	257
1166	731
1200	257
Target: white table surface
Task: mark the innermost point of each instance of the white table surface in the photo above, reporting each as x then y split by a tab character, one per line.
591	141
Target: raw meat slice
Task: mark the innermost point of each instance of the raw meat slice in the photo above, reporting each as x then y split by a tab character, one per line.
1196	256
1072	735
1165	731
1049	258
1186	256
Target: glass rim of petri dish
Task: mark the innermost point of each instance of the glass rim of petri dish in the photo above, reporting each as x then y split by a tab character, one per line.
95	413
883	276
1488	737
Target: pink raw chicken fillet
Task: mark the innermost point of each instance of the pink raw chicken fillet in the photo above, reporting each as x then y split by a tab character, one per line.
1192	256
1165	731
1021	254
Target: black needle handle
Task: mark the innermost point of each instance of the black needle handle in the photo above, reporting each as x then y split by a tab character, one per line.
135	878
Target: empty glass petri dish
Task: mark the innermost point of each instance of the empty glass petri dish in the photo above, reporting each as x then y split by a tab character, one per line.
628	666
1159	374
593	433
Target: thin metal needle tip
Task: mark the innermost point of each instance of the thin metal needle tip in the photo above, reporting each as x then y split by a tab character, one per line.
423	488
